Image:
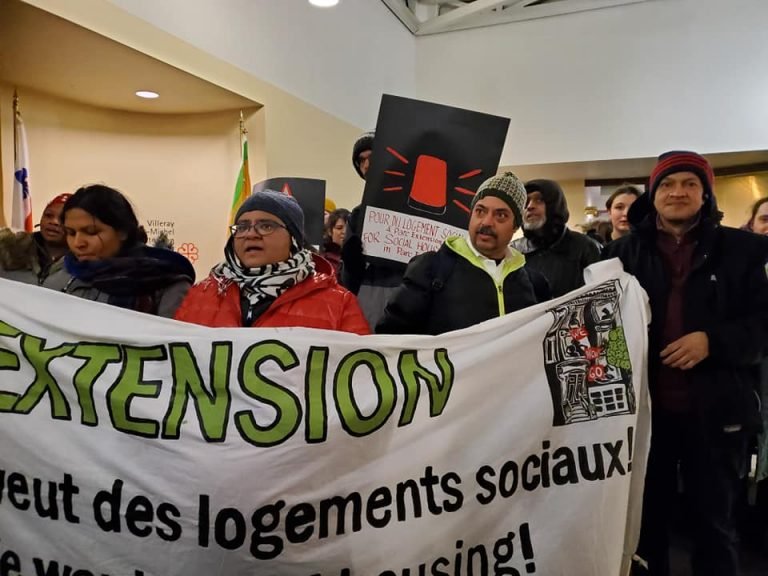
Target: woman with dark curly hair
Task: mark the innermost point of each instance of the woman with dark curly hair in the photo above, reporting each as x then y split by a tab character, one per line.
32	257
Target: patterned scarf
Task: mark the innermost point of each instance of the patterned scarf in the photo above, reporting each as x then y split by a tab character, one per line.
264	282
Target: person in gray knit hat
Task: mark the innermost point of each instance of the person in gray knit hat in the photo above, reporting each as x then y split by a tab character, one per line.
509	189
269	278
459	285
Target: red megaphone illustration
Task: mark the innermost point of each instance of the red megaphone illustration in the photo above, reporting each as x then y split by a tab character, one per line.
429	189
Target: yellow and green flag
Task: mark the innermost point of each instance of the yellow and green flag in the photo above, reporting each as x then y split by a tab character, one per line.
243	186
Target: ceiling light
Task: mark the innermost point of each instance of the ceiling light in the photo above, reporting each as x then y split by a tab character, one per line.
147	94
324	3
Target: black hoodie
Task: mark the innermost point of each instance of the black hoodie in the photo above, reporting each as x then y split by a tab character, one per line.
558	253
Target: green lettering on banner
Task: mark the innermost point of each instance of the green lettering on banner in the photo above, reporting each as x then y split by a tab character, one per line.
34	351
316	419
412	373
212	407
8	330
258	387
129	385
97	357
352	419
8	361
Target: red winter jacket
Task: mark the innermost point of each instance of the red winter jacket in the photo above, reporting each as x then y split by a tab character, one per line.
317	302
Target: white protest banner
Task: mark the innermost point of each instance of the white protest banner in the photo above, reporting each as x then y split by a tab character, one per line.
137	446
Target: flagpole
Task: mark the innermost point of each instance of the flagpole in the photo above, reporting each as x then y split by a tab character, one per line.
21	214
243	132
15	115
243	186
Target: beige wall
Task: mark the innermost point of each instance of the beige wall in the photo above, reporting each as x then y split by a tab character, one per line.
175	168
179	169
576	198
737	194
299	139
5	107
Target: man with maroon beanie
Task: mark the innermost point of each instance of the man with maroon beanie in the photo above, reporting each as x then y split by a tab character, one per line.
31	258
708	292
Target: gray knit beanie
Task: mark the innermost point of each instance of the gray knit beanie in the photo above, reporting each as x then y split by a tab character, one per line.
507	187
281	205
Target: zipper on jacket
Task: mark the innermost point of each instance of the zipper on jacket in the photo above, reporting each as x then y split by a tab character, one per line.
469	257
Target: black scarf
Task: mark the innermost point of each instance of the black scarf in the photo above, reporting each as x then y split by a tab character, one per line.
134	278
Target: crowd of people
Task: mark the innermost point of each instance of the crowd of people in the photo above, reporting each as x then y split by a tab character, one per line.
707	285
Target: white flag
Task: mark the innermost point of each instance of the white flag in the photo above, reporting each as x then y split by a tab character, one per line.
22	200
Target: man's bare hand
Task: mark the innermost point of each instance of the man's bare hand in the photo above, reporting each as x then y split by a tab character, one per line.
686	352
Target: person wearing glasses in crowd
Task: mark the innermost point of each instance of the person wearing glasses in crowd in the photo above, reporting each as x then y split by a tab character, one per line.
269	278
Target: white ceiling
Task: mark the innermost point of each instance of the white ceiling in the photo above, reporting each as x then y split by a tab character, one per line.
423	17
41	51
46	53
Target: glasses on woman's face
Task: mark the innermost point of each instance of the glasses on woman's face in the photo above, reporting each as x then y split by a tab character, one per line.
262	227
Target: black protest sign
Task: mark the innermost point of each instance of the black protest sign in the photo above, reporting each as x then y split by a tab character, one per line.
310	194
427	162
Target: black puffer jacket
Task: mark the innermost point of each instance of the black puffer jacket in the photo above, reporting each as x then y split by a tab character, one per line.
449	290
372	280
726	296
558	253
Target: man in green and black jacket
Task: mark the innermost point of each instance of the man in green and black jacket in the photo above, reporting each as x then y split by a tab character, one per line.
470	279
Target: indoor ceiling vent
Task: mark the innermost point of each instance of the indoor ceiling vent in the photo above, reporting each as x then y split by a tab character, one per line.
434	16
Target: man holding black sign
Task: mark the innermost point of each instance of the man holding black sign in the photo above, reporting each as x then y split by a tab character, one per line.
469	279
372	282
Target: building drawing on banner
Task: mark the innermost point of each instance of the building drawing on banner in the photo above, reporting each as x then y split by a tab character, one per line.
586	358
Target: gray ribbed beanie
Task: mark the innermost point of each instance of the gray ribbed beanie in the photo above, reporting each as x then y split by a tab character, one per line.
507	187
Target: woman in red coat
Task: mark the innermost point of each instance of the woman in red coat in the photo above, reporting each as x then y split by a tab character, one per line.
268	278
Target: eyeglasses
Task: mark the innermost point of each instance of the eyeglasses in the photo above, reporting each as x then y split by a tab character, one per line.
262	227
